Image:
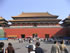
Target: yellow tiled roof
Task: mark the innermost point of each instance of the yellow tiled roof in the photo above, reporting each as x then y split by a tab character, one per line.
36	20
35	15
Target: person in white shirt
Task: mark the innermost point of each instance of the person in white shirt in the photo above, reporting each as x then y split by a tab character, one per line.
30	49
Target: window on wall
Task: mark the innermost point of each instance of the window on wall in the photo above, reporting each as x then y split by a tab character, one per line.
13	23
35	24
18	23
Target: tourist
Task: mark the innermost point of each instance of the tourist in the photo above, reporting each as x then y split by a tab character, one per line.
30	49
38	49
30	43
55	48
63	47
44	39
10	48
1	47
24	39
20	40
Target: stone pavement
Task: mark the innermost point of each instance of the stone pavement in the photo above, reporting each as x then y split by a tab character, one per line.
21	47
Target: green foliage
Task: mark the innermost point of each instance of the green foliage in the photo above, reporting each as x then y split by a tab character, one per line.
1	33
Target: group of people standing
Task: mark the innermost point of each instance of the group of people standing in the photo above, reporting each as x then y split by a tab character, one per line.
35	48
56	48
59	48
9	49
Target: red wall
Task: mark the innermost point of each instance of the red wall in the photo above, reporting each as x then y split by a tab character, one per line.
29	31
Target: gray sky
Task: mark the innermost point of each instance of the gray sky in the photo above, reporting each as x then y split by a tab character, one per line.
10	8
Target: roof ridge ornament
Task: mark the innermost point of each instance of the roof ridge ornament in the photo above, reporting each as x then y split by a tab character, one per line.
1	17
22	12
48	13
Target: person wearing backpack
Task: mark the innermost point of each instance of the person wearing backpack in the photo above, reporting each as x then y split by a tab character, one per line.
10	48
63	47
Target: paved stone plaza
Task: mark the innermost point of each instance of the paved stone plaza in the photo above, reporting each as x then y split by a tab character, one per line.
20	47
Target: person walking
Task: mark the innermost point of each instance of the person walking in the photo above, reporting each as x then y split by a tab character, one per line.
55	48
63	47
38	49
10	48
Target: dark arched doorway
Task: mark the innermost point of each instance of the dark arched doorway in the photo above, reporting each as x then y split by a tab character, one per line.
35	35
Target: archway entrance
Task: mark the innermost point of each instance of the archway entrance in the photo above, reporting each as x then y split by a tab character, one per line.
35	35
47	36
22	35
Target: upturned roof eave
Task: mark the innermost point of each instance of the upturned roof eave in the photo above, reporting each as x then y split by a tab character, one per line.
32	16
35	20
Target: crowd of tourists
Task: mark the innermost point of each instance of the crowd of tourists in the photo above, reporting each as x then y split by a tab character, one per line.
56	48
9	49
59	48
35	48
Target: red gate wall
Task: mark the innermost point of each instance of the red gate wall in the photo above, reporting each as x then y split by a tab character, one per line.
29	31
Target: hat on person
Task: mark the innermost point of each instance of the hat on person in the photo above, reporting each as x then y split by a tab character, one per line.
30	46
